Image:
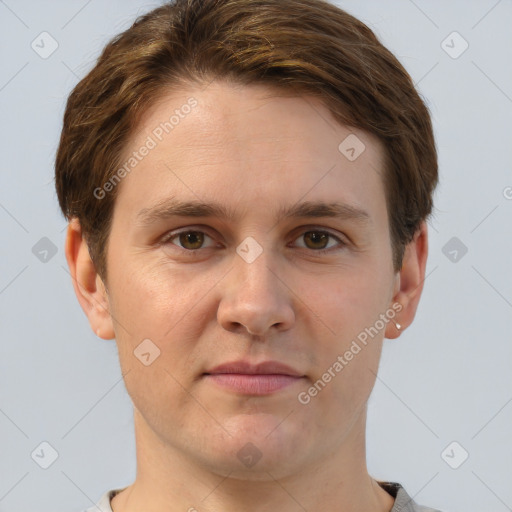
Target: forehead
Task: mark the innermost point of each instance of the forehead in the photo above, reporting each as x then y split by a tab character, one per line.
249	145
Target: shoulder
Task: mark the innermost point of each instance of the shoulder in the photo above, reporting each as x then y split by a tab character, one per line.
103	505
403	502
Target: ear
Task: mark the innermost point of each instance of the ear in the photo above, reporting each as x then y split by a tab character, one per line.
409	282
89	287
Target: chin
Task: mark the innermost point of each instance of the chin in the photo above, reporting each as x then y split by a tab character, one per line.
257	444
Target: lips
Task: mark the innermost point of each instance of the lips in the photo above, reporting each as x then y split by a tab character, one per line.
246	378
264	368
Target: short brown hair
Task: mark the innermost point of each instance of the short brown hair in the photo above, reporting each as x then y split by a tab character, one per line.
300	46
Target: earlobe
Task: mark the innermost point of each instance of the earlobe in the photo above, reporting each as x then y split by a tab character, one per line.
409	282
88	285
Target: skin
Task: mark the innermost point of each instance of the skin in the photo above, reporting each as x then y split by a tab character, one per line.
252	150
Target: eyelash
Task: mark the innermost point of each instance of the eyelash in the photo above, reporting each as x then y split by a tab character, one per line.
166	239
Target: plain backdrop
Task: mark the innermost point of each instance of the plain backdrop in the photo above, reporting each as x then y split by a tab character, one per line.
444	390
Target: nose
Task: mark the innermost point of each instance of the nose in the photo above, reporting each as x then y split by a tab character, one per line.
255	297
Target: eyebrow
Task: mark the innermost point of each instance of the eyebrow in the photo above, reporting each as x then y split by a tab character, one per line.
169	208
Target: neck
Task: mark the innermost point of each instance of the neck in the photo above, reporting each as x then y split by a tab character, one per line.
169	480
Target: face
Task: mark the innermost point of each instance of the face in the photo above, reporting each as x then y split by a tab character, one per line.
290	263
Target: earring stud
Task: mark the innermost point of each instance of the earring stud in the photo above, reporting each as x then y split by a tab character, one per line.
398	326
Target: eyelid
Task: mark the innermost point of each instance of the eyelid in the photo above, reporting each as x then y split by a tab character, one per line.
321	229
188	229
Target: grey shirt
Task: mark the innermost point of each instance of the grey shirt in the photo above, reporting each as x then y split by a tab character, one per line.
403	502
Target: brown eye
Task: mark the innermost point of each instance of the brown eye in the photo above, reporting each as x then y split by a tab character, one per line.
319	241
191	239
316	239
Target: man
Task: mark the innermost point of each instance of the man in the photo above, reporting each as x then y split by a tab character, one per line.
247	184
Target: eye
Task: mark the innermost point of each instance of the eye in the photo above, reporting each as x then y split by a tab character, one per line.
318	240
189	240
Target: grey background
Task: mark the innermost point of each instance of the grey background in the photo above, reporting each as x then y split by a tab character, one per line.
447	378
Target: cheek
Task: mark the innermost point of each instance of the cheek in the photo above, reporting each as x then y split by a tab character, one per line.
346	302
348	334
171	309
156	302
157	328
